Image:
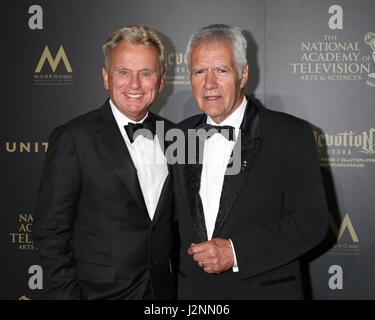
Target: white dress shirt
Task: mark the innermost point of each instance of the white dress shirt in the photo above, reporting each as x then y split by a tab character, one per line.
148	159
216	155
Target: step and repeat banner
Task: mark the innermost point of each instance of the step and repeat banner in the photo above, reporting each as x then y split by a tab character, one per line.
312	59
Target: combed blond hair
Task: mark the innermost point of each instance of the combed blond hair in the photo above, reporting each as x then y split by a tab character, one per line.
137	34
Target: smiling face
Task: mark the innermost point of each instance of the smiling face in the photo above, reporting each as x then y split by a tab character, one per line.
133	78
216	85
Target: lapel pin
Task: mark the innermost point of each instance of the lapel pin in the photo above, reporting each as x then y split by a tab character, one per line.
244	164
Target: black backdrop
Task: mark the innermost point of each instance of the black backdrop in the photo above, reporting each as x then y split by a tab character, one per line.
308	58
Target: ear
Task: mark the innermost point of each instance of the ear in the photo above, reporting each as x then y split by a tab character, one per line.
105	78
245	75
161	86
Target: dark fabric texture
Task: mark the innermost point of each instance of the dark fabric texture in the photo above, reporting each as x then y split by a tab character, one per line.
274	210
95	237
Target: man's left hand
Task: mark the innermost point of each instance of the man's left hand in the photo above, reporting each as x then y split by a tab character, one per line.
214	256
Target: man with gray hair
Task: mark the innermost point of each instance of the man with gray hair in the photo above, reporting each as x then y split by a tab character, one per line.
103	221
242	235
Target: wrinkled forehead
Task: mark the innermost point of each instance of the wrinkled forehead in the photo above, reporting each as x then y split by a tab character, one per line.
214	42
213	50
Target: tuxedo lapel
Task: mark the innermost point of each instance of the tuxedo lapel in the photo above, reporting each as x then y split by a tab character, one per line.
114	144
193	177
193	172
251	141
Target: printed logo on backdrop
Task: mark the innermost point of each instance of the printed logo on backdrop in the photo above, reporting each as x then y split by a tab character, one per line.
346	236
346	149
176	68
370	40
25	147
335	57
21	237
53	70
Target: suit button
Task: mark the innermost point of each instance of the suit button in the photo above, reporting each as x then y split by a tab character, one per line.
151	263
153	229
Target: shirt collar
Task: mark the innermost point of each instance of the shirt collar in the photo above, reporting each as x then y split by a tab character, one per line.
234	119
121	119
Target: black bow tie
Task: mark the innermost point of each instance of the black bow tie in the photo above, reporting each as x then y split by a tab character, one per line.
226	131
132	128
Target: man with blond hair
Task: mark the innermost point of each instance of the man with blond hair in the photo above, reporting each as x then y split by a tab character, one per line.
103	221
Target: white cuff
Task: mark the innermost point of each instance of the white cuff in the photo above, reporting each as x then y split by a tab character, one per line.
235	266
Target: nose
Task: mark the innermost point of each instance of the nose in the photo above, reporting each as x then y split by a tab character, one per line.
210	80
134	81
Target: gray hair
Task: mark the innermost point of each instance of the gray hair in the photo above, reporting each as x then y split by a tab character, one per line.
220	32
137	34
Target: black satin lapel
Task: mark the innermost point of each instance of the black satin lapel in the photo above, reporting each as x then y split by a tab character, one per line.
232	183
251	142
193	178
113	142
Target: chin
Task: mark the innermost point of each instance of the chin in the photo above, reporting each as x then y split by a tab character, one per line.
210	111
136	107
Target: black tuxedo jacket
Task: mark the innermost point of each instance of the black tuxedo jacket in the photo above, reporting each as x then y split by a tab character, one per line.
95	237
274	210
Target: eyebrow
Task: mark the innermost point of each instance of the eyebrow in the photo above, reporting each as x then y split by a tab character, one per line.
145	69
222	66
